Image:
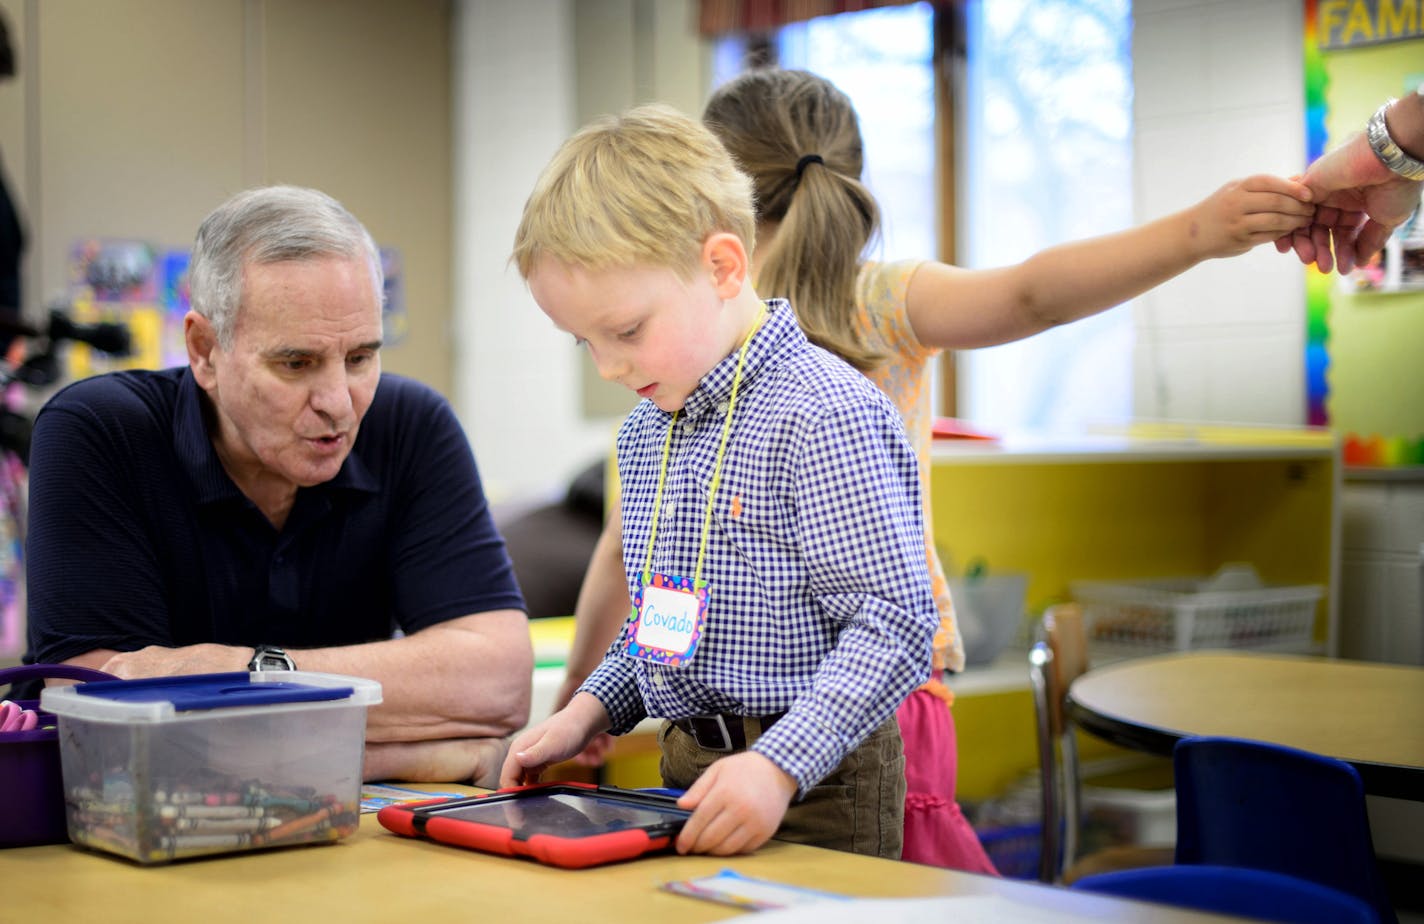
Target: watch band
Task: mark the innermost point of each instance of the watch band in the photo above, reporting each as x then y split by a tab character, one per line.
270	658
1390	154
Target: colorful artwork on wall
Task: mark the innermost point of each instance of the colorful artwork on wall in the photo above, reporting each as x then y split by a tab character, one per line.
146	289
115	280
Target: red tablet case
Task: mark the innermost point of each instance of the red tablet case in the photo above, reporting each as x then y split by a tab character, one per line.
570	853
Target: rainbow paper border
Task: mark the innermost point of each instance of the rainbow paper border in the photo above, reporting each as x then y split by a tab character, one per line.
1356	450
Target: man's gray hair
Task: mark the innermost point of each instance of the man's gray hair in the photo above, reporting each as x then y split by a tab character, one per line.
272	224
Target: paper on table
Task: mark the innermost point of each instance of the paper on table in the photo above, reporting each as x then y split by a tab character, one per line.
376	796
730	887
961	909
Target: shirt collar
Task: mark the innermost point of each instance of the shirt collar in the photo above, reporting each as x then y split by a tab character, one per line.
199	460
778	332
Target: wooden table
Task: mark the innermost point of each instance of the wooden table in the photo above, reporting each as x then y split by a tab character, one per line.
377	876
1371	715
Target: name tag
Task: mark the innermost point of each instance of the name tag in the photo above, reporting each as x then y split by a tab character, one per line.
669	614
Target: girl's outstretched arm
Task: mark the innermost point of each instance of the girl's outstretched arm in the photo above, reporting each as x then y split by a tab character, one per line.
955	308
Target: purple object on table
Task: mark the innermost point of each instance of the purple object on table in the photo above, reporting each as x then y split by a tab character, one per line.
30	778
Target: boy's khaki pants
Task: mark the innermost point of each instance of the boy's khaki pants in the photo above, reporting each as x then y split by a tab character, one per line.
859	807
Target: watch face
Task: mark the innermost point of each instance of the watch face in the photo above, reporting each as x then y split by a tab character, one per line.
271	659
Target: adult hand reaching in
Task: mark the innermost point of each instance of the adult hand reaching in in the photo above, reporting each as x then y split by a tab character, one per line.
1360	200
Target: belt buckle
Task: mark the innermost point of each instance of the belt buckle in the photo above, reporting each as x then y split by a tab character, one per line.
721	722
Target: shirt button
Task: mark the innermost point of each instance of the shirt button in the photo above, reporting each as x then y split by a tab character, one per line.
722	409
689	427
668	509
658	680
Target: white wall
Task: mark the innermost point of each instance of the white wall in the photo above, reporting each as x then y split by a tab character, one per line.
524	82
1219	96
516	380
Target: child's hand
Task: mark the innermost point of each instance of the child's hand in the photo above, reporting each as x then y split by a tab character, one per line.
559	737
534	750
1244	213
595	753
738	805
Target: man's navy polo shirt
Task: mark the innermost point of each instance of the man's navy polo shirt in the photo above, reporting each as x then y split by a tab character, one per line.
138	537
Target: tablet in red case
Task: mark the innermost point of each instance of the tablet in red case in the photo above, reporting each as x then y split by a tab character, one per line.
572	825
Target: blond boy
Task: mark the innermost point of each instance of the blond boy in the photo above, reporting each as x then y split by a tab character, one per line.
772	538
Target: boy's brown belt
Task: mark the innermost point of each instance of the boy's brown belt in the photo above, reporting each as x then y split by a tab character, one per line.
721	732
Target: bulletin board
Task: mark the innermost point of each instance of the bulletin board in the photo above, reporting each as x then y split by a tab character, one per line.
134	283
1364	378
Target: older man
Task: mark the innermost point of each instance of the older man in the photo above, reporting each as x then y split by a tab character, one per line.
280	503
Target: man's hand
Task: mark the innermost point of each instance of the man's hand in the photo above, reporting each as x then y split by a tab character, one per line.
1360	203
157	661
737	805
456	760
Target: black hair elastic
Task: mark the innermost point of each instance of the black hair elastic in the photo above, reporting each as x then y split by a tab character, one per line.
806	161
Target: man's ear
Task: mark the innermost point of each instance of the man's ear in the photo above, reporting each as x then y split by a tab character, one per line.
725	256
201	341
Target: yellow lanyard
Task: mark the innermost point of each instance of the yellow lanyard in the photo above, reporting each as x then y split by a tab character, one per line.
716	468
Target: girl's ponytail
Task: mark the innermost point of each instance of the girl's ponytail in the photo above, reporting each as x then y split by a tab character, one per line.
815	258
798	138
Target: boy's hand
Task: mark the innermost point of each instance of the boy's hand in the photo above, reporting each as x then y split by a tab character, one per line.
596	752
1245	213
737	805
559	737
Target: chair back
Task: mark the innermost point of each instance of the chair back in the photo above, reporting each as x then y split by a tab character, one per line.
1251	893
1055	661
1063	630
1270	807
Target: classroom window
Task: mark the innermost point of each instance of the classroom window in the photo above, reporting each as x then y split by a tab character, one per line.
1046	120
1048	159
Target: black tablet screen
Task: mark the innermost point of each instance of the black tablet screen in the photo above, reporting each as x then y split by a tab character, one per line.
562	814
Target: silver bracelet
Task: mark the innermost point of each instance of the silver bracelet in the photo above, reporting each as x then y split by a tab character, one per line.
1389	153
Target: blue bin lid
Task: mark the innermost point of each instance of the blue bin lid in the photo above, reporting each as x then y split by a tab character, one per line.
210	691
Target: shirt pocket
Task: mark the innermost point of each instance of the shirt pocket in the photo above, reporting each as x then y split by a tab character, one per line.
755	521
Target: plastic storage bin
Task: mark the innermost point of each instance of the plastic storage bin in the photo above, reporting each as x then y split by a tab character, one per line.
989	610
176	767
1176	614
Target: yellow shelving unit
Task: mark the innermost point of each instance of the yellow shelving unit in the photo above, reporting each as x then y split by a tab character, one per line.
1159	500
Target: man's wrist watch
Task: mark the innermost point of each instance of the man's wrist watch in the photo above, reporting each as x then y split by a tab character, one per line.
270	658
1391	154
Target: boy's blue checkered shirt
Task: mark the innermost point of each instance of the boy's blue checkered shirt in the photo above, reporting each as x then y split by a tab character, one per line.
820	597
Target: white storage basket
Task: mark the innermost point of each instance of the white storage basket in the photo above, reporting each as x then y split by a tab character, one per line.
1175	614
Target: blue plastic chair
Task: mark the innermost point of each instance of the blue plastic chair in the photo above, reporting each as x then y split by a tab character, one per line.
1275	808
1252	893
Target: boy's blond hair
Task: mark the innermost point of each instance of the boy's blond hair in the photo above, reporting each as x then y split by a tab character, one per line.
645	187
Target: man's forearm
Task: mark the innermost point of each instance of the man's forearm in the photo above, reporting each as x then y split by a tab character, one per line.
469	677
